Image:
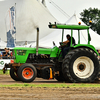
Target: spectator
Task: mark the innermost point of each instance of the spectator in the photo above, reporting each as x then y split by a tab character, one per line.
5	49
6	55
0	54
10	52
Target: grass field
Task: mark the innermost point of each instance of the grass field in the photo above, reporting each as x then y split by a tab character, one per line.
62	85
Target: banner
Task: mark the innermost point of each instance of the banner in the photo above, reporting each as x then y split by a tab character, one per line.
3	62
10	27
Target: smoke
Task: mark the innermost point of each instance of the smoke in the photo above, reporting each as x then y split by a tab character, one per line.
30	14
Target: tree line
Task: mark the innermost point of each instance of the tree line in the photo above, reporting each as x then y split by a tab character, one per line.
91	14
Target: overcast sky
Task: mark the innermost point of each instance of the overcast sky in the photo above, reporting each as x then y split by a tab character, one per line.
61	9
70	7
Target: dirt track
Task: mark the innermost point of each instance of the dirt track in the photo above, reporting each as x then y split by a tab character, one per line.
32	93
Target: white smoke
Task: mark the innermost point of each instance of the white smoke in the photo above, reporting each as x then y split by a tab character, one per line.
30	14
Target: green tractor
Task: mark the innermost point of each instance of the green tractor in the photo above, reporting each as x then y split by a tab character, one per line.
80	64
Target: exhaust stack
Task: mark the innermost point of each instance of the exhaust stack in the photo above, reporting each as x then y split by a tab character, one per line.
37	41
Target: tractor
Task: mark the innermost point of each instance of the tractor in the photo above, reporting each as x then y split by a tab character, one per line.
80	64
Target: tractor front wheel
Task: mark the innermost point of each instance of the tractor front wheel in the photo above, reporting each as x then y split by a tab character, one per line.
27	73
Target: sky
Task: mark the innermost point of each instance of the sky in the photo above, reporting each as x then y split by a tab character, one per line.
59	7
62	10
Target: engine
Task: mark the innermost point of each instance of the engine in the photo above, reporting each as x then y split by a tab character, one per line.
41	58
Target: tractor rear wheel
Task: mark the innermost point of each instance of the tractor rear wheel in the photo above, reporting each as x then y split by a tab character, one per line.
81	65
13	74
27	73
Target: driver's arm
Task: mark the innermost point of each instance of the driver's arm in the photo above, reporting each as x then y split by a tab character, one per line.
64	43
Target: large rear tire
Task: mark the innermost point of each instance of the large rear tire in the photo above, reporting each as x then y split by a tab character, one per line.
27	73
13	74
81	65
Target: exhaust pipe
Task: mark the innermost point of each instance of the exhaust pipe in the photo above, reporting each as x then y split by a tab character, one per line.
37	41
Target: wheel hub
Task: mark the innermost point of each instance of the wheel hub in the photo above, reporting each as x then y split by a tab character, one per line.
27	73
81	67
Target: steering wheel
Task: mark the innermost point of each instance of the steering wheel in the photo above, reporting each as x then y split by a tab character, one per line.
60	43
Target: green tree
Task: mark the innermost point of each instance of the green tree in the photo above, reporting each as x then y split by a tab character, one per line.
94	16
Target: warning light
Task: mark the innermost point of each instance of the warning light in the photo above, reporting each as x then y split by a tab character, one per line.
79	23
90	22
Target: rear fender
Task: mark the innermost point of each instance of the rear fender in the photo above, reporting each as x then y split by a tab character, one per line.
86	46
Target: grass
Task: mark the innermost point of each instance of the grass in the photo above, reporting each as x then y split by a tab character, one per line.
63	85
1	72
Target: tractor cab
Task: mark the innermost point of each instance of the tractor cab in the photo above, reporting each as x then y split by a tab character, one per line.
79	32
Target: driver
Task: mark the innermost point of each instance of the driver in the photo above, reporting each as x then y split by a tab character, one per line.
65	46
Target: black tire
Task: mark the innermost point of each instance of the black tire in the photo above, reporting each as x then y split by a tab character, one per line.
27	73
81	65
13	74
